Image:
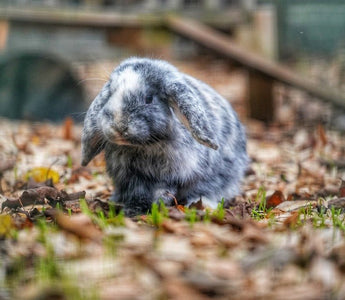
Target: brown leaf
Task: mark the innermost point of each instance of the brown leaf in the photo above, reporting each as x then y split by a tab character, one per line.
6	224
32	196
68	129
80	172
181	208
198	205
338	203
202	239
39	196
175	289
342	189
22	221
253	234
236	223
143	218
79	225
33	184
287	206
176	214
322	134
170	226
338	255
98	205
241	209
6	165
275	199
291	221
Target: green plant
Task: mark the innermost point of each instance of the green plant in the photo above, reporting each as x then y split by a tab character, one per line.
112	210
260	211
156	216
97	219
256	214
271	219
69	211
219	212
319	218
191	216
261	198
46	268
117	220
69	162
337	218
158	213
100	218
207	216
43	229
15	172
58	206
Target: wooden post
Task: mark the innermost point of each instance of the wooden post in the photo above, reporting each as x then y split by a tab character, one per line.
281	10
4	29
269	70
260	97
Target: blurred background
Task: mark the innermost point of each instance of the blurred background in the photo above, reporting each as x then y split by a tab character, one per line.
285	63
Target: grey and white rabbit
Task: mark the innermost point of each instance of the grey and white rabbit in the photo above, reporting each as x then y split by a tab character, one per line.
165	134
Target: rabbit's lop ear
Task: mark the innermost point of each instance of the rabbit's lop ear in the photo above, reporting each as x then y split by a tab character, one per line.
92	143
190	112
92	140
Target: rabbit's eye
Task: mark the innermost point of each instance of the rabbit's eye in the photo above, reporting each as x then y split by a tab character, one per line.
148	99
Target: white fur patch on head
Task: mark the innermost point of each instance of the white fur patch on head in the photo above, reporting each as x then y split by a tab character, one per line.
128	81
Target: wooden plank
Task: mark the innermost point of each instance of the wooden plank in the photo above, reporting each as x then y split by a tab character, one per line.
78	17
110	17
227	47
4	29
260	95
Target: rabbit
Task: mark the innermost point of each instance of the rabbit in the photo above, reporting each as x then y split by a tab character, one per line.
166	136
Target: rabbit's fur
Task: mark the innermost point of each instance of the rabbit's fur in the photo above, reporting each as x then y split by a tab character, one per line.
165	134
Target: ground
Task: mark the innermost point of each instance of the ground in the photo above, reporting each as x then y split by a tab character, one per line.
282	238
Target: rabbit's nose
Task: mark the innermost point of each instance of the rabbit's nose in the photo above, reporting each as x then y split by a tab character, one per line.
122	128
121	134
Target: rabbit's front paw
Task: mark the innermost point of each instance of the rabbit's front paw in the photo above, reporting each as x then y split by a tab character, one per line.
164	195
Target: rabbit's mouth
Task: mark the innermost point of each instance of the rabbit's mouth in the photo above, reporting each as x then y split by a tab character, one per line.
117	138
121	138
121	141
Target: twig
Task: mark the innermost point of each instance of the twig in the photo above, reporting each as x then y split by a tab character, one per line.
39	196
175	200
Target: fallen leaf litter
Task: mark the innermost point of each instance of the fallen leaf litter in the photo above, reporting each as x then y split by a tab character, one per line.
290	246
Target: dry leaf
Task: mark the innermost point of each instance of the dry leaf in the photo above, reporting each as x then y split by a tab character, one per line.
79	225
337	203
68	129
181	208
42	174
253	234
80	172
322	134
198	205
294	205
342	189
275	199
6	224
7	165
39	196
290	222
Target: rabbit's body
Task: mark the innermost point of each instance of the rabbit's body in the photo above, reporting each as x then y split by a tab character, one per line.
157	127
